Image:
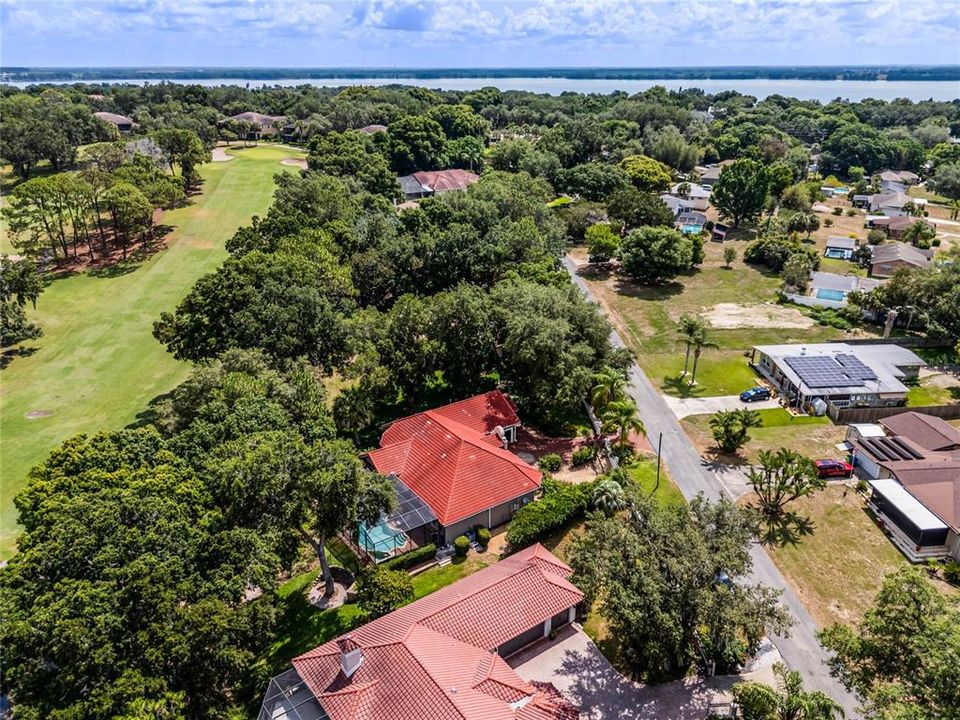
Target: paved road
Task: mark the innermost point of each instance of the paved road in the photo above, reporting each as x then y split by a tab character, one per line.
800	650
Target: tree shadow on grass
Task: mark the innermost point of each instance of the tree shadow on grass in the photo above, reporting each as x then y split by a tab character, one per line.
152	414
680	386
788	529
8	356
629	288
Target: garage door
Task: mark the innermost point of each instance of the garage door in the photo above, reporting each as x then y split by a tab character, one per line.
560	619
867	466
522	640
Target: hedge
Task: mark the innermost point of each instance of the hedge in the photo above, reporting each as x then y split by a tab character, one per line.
461	545
583	455
483	537
561	503
410	558
551	462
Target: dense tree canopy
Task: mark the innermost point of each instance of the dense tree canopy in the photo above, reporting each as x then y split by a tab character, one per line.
656	254
741	191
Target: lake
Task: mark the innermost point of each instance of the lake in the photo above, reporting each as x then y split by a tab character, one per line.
822	90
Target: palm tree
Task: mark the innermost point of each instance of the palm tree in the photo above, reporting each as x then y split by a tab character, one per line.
609	497
609	386
621	416
688	327
699	342
789	701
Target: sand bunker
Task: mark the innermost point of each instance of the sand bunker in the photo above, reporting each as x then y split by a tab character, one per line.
731	315
220	155
295	162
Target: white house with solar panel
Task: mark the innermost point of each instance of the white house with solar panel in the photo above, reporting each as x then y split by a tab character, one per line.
838	374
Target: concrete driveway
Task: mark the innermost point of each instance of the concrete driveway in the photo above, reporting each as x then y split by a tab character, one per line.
681	407
576	667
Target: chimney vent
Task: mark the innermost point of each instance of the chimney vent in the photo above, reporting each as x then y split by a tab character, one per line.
351	656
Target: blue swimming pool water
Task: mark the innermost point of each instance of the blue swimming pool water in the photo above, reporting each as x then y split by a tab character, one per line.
825	294
691	229
382	537
835	253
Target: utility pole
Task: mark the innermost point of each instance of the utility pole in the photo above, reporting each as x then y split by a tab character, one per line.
659	448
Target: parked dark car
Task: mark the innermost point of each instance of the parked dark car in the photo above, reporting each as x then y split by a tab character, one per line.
833	468
754	394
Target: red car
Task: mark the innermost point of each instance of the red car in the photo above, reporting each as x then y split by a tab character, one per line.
833	468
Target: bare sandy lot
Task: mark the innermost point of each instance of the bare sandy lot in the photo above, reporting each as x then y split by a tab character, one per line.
728	316
295	162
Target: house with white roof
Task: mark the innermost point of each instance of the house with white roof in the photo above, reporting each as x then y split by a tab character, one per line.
821	375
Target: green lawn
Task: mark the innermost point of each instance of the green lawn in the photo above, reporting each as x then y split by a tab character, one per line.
97	364
302	627
923	395
814	437
841	267
646	317
644	473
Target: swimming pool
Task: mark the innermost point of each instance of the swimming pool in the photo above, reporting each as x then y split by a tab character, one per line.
836	295
836	253
381	538
690	229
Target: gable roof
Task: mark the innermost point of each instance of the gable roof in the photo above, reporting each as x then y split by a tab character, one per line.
889	252
264	121
453	458
927	431
435	658
114	118
890	199
372	129
844	243
442	180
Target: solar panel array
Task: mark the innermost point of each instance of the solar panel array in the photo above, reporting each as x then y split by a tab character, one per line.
821	371
411	512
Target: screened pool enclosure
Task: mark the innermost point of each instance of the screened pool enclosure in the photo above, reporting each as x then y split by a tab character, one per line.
410	525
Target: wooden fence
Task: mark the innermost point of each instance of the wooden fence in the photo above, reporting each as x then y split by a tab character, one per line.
846	416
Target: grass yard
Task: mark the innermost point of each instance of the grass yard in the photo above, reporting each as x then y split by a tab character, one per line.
302	627
646	318
838	570
97	364
929	394
815	437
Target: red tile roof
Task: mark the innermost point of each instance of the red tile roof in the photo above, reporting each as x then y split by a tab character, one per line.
443	180
454	460
435	658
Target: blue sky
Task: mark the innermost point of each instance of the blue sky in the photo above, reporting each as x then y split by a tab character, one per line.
475	33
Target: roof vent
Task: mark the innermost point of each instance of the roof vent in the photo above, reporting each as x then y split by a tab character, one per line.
351	656
453	691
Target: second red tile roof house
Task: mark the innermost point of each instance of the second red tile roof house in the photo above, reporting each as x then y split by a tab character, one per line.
455	459
440	657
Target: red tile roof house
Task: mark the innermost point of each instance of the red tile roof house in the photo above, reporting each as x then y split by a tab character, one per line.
453	459
266	125
441	657
435	182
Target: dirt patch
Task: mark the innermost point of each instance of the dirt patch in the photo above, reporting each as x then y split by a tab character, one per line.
295	162
939	379
728	316
219	154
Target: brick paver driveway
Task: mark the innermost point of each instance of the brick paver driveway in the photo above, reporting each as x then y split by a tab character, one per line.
576	668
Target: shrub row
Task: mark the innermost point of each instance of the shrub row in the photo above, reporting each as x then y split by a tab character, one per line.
583	455
461	545
561	503
410	558
551	462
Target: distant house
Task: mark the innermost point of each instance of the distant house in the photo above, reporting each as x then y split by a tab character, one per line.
912	463
454	460
719	233
121	122
831	289
263	126
841	248
441	657
861	201
889	204
904	177
695	197
890	257
838	374
709	174
435	182
894	227
373	129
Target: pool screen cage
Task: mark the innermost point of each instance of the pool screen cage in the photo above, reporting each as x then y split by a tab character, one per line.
288	698
391	536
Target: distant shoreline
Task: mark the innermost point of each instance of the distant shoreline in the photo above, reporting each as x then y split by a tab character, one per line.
878	73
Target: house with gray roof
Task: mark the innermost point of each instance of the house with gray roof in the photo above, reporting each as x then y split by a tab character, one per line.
890	257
